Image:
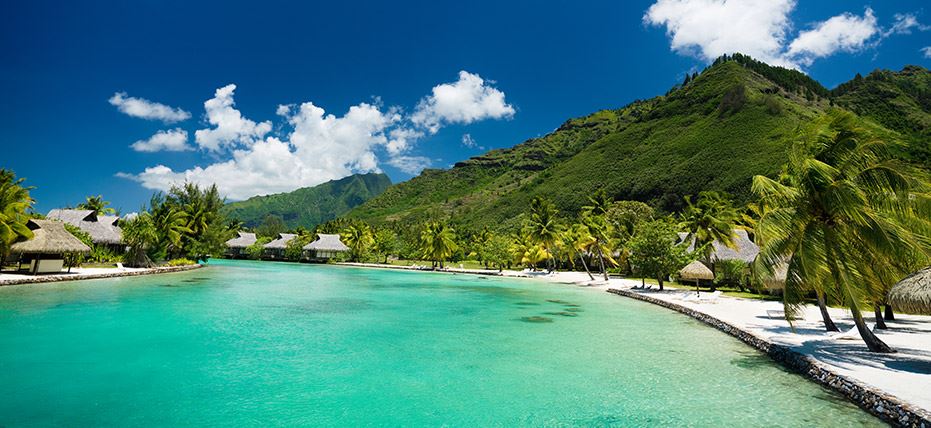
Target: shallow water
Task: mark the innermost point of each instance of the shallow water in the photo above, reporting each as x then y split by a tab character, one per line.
252	343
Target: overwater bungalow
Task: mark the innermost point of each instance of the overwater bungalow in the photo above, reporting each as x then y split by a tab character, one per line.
104	230
46	251
275	250
324	248
236	247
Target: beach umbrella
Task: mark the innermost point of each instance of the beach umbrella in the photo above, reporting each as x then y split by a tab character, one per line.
913	294
696	271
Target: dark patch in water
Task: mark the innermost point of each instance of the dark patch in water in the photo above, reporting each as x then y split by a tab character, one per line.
536	319
571	305
168	285
751	362
562	314
574	309
526	304
557	301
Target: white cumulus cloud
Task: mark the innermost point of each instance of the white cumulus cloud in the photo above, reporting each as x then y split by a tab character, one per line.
172	140
926	51
845	32
708	29
230	128
464	101
410	164
316	146
145	109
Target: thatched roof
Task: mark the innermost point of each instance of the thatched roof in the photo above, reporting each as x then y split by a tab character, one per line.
695	271
327	242
281	241
244	240
50	237
913	294
744	249
102	229
778	280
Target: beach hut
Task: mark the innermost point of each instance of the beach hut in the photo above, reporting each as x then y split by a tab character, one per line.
325	247
913	294
47	249
104	230
236	247
275	250
744	249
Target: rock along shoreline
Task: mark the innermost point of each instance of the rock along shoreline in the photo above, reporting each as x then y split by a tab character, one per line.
39	279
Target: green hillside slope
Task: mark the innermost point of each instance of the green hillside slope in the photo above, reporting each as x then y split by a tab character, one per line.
310	206
715	132
900	101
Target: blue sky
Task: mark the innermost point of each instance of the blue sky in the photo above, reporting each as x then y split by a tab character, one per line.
405	82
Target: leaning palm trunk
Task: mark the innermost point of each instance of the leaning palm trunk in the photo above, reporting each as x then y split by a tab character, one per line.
890	316
584	265
825	315
601	259
872	342
878	315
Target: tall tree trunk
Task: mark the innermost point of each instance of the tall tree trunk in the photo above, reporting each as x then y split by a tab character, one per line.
659	279
878	314
889	315
828	322
872	342
601	258
584	265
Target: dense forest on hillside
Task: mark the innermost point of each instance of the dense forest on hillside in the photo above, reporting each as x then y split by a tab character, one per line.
309	206
714	131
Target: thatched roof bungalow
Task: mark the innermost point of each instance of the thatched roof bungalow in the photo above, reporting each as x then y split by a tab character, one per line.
744	248
236	247
46	250
103	230
913	294
275	249
325	247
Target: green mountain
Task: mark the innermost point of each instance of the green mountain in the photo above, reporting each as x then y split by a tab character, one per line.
900	101
714	132
310	206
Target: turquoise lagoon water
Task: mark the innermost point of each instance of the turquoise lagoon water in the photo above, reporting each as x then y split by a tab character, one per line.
257	344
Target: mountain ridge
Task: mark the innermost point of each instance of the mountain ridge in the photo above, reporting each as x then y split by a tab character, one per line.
310	206
714	132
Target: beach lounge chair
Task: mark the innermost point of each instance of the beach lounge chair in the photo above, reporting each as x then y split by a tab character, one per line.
711	298
119	266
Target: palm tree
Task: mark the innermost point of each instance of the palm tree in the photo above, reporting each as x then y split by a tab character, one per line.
97	205
438	243
543	227
358	237
14	201
839	207
140	235
603	233
579	240
711	218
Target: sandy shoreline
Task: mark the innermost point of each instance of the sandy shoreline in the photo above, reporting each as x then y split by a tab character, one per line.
903	378
77	274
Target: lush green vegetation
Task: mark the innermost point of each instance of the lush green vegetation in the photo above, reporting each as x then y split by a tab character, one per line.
735	120
97	205
309	206
14	202
847	218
